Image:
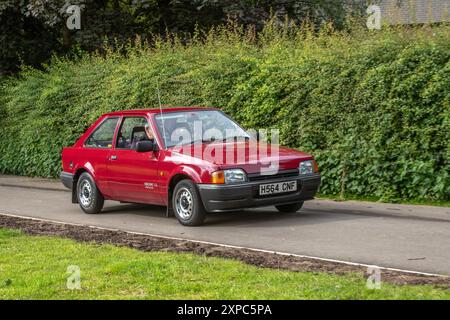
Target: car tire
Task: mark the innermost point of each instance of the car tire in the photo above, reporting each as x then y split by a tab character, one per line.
187	204
290	208
89	197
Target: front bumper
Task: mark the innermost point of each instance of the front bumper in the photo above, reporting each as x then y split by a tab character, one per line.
220	197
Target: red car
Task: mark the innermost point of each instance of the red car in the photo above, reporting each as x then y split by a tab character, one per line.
192	160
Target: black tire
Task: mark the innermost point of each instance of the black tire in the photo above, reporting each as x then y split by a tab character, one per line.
89	197
290	208
187	205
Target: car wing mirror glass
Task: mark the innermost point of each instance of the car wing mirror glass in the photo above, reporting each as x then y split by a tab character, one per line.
145	146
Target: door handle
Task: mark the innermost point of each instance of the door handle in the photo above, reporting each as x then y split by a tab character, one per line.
114	157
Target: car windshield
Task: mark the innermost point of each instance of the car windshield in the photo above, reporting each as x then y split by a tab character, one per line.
187	127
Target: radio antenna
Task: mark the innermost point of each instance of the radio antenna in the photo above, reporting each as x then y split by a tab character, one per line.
161	113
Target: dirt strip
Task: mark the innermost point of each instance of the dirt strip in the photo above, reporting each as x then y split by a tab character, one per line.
260	259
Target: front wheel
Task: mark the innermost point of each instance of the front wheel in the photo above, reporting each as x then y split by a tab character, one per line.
187	204
89	197
290	208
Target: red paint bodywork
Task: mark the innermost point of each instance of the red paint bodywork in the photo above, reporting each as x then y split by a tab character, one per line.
125	178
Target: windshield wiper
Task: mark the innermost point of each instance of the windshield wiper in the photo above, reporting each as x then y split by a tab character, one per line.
235	138
214	140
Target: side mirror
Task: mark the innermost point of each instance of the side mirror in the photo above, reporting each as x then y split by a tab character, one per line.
145	146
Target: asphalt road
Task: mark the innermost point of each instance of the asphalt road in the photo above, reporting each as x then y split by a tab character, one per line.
406	237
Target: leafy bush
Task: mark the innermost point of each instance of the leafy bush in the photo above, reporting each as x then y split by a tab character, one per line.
373	107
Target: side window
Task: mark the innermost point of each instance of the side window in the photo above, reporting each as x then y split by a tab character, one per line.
103	136
132	130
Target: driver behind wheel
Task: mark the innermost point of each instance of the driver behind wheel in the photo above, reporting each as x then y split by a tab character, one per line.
149	132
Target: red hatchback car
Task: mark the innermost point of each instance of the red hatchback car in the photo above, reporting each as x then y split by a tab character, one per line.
192	160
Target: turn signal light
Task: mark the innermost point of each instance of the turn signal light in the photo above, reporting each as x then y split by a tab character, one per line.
218	177
316	167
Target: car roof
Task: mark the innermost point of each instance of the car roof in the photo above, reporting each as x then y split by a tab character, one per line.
156	110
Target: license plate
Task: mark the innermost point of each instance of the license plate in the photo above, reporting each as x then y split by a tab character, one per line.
279	187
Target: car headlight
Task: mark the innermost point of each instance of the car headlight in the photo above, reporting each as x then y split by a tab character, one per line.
306	167
228	176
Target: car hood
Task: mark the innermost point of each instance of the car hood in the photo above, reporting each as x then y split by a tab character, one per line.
250	156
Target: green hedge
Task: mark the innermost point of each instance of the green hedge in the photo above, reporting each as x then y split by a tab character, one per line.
373	107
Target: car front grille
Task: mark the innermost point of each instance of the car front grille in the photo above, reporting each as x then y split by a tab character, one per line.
278	175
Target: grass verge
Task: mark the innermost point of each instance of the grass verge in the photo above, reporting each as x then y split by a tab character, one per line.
35	267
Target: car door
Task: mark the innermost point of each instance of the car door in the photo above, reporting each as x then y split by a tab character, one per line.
133	175
96	152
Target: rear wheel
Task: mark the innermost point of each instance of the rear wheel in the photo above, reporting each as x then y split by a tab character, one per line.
88	195
290	208
187	204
